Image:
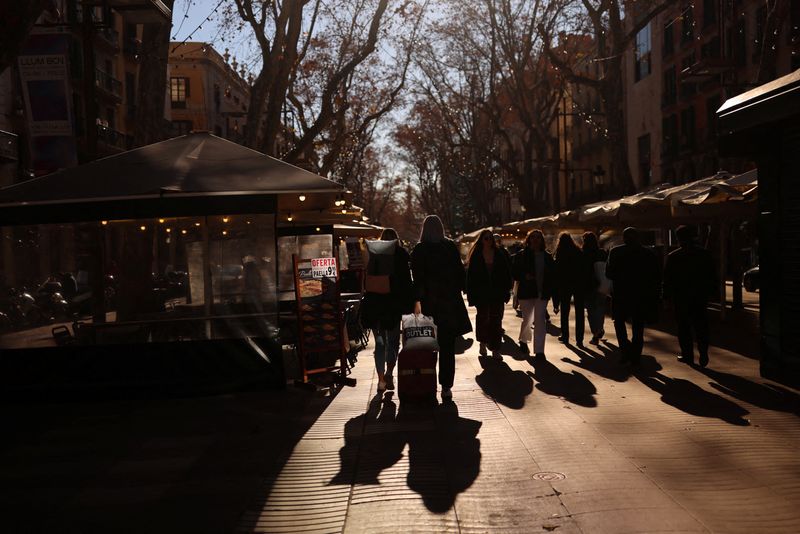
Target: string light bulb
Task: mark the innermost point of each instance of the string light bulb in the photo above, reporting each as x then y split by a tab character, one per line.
302	198
289	218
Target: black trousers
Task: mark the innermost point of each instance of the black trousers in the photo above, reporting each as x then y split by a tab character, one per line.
580	315
692	321
489	324
447	357
631	349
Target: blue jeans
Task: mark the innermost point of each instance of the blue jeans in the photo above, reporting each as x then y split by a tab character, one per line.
387	344
596	310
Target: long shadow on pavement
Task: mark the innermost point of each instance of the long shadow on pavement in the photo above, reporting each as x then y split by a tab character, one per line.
463	344
504	385
688	396
573	387
604	363
443	450
763	395
160	465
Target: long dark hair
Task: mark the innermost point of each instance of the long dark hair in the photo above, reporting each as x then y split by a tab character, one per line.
477	245
539	233
590	243
432	230
566	246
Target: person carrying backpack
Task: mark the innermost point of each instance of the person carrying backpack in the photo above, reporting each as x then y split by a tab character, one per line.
387	298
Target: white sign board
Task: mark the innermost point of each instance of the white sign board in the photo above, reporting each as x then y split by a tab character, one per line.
323	268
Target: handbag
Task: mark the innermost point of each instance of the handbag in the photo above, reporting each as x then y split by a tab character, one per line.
604	284
419	332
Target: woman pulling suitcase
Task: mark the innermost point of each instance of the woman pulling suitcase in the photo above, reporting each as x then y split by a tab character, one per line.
439	280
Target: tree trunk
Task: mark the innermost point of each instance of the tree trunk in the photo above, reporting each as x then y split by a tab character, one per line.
151	126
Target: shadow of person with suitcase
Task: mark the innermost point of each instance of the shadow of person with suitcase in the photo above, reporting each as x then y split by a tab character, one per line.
443	449
445	461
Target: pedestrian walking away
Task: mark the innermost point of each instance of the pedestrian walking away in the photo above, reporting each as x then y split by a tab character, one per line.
689	281
439	280
636	278
534	270
599	286
488	289
388	296
573	284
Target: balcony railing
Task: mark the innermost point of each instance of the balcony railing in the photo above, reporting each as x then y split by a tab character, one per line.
112	137
108	83
110	36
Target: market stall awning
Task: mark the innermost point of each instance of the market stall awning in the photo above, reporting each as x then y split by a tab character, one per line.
189	175
365	230
734	197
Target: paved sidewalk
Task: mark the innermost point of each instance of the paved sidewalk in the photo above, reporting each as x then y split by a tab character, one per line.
573	444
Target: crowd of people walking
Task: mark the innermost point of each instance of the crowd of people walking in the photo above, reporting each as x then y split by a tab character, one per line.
575	277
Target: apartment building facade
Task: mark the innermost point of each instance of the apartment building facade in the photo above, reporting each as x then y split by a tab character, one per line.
682	66
207	91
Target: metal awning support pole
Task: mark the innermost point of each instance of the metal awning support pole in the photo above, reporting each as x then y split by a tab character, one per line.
723	260
208	295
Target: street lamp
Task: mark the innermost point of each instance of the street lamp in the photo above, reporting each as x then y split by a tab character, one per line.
599	176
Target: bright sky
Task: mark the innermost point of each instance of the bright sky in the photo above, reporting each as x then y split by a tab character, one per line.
189	22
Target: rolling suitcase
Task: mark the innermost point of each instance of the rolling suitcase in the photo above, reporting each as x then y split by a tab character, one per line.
416	375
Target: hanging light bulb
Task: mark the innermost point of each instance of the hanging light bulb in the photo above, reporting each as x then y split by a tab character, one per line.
161	221
142	228
302	198
289	217
183	232
224	219
104	223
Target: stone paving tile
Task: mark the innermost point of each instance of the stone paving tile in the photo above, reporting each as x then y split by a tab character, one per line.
668	448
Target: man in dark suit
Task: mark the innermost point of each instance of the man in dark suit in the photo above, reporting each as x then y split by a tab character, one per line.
689	281
636	277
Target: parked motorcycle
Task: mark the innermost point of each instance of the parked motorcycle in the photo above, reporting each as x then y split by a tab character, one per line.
51	302
23	310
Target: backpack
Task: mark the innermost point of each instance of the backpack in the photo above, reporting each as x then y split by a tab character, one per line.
380	266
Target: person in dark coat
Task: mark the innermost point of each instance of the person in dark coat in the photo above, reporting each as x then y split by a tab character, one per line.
488	289
689	281
439	280
635	272
573	284
595	300
382	313
535	273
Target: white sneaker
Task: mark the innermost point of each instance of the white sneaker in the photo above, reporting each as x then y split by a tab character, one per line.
447	394
389	382
482	350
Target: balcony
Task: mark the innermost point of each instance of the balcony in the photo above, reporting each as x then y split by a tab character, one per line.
108	85
109	37
706	69
142	11
132	46
112	138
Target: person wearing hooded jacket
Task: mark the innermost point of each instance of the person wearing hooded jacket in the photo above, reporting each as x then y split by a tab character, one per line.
439	280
